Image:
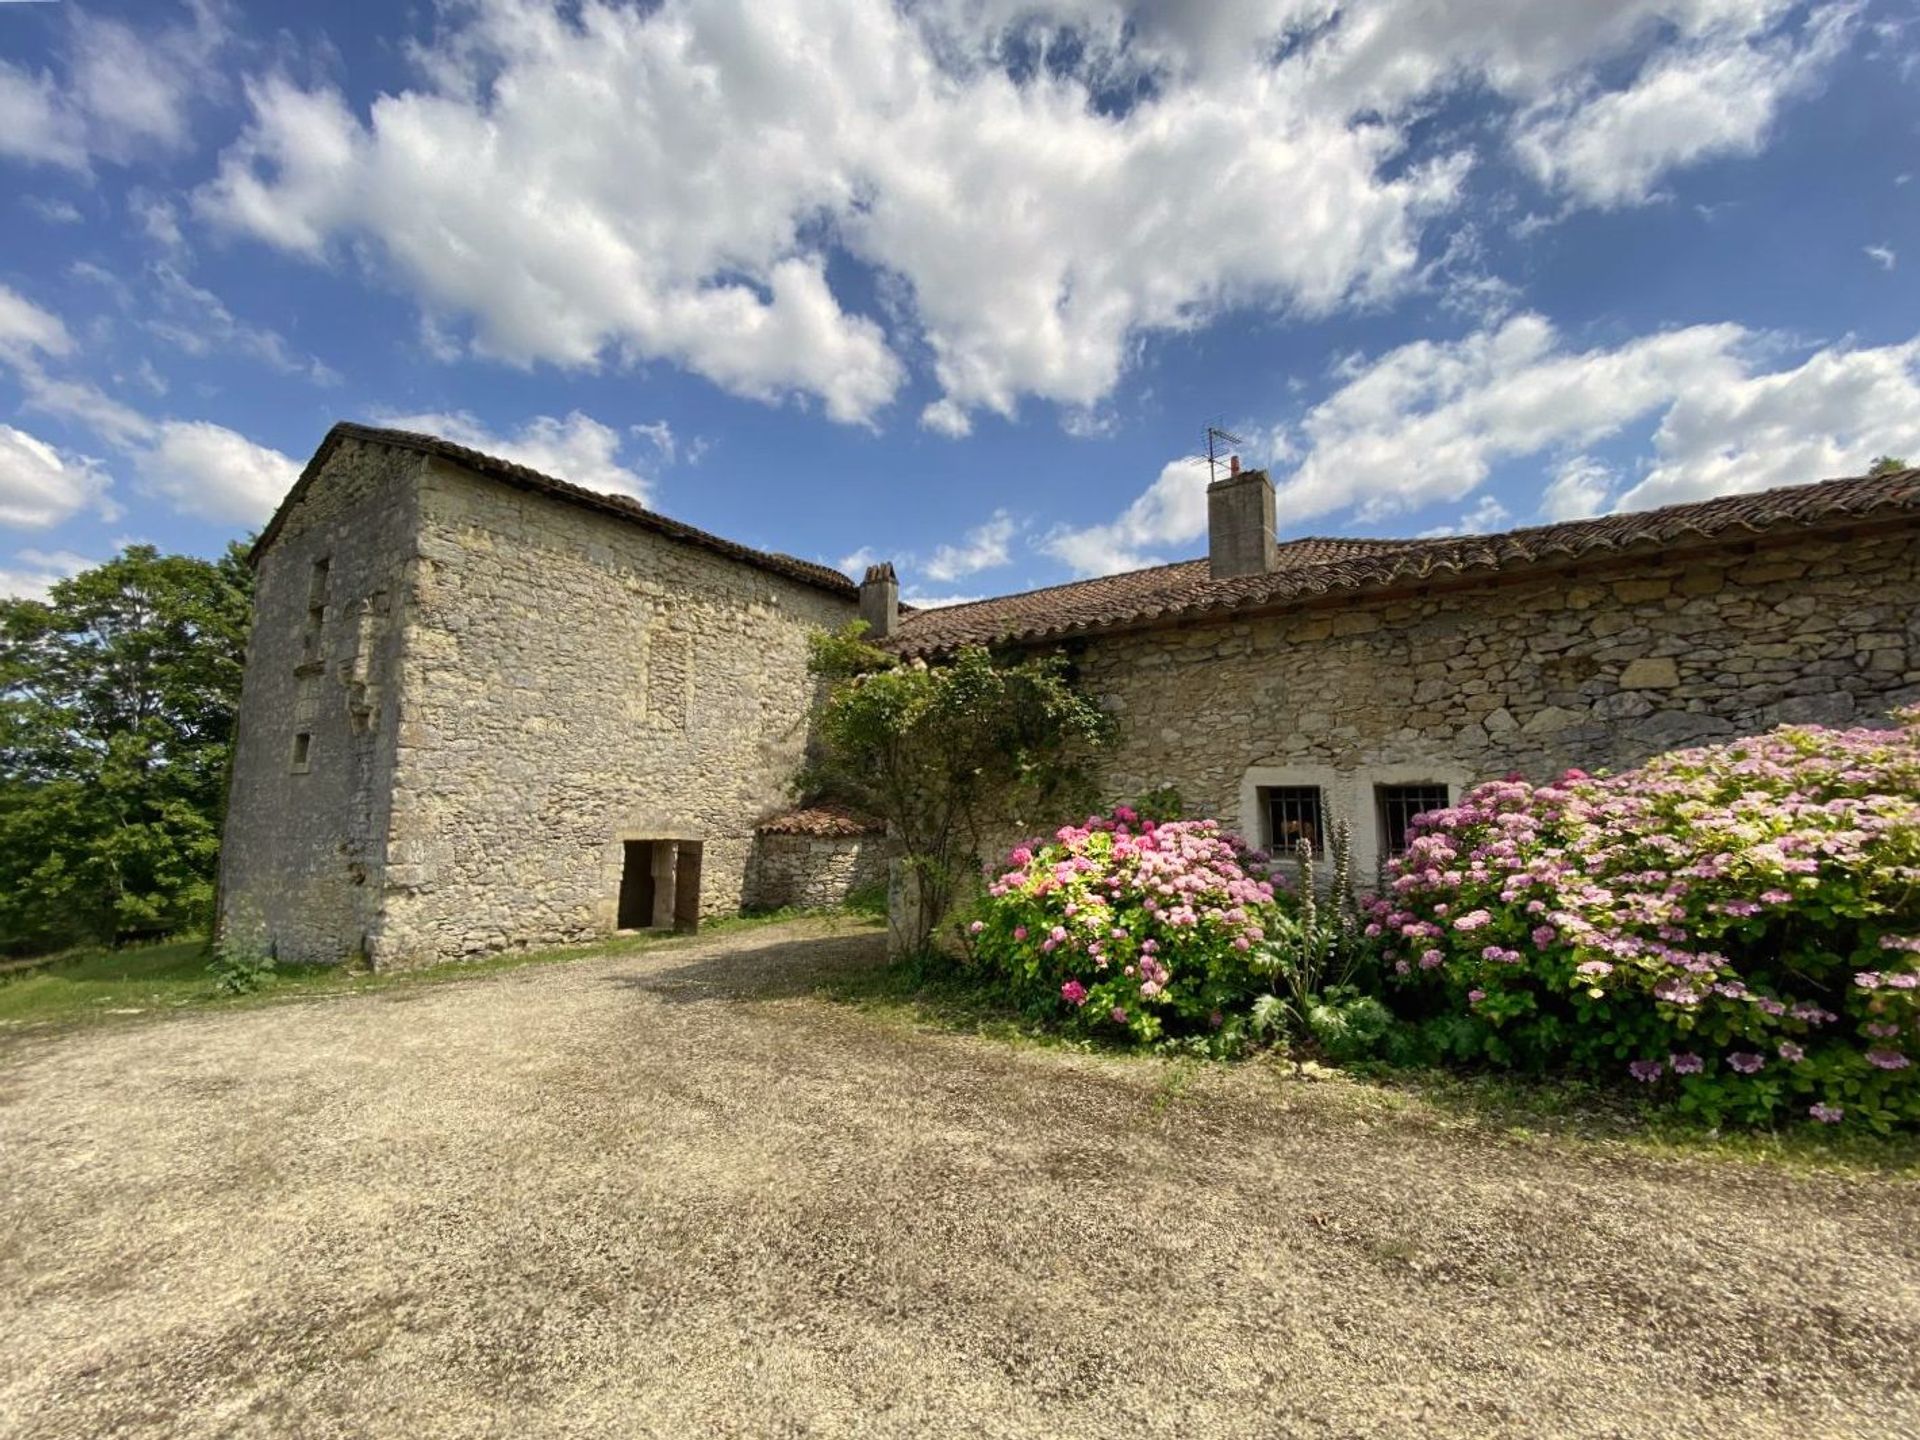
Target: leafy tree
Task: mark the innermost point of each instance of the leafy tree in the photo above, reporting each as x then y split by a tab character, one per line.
943	752
117	700
1886	465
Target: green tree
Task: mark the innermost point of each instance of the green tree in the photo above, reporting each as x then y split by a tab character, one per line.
1886	465
943	752
117	700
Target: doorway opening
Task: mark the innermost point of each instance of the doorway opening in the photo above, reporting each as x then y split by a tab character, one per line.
659	885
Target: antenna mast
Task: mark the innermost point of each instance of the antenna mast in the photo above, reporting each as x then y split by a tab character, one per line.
1218	441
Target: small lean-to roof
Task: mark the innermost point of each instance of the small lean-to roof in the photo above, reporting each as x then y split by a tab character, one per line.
522	478
1306	569
825	820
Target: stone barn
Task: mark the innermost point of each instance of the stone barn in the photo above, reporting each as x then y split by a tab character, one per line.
485	708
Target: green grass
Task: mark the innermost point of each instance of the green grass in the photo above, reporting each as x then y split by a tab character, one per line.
935	996
90	986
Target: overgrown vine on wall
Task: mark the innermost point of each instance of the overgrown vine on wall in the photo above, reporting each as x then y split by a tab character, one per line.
945	752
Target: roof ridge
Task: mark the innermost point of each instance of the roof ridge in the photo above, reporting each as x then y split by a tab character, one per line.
1132	597
514	473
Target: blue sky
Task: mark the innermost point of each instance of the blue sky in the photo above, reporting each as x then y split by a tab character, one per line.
956	284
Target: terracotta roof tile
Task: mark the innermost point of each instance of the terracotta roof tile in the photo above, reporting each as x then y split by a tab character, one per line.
825	820
1319	566
520	476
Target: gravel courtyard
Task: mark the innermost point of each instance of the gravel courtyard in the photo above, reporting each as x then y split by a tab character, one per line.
674	1193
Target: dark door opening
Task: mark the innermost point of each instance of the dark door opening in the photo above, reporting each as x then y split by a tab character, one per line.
636	886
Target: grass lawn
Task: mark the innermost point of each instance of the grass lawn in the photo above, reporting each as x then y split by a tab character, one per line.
103	985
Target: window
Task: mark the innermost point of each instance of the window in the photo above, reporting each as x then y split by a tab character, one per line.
302	752
316	606
1294	813
1398	805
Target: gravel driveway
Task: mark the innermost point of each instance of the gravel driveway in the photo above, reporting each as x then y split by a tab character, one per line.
673	1193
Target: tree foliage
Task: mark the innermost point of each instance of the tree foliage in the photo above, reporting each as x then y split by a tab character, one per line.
1886	465
117	700
944	752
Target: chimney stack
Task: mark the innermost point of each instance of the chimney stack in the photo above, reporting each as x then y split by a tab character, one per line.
1240	523
880	600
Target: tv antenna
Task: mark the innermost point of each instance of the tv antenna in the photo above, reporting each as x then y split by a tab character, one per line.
1220	442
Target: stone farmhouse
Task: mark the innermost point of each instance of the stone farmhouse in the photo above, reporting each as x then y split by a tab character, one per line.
485	708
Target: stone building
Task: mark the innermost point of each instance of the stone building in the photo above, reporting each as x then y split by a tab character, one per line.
485	708
1280	685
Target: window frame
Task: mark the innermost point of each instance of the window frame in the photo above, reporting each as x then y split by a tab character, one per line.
300	757
1385	801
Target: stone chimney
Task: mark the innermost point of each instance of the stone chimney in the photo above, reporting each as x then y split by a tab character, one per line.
880	599
1240	523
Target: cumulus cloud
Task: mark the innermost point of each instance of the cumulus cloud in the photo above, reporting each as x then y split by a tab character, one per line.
40	486
1168	516
33	573
984	548
1429	422
1716	94
1579	490
217	474
116	93
1039	185
578	448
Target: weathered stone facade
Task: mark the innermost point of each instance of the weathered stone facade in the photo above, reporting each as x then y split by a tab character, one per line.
1603	666
814	872
545	683
473	692
306	838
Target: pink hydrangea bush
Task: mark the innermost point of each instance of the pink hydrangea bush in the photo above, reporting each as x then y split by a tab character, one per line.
1127	927
1736	926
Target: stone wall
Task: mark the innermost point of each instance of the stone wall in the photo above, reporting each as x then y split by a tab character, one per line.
813	872
303	853
571	682
1602	667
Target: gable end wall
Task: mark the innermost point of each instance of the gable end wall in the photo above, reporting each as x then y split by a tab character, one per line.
572	682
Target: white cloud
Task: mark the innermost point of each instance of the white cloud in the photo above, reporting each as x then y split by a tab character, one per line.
214	473
605	183
35	572
856	564
984	548
1579	490
1487	515
1716	94
40	486
1881	255
1427	424
117	93
578	449
921	601
1169	515
197	321
53	210
26	328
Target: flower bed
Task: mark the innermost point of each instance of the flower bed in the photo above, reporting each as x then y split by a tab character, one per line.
1129	928
1737	926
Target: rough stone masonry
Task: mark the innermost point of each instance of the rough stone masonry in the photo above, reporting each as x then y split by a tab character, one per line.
484	708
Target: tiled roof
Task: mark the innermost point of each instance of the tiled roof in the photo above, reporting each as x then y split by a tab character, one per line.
519	476
1313	567
821	820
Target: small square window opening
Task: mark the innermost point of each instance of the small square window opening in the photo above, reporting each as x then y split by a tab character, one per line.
1398	805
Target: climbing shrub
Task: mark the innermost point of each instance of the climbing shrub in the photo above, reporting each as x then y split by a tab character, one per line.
1735	927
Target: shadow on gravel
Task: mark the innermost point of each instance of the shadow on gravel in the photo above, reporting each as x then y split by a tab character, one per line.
777	970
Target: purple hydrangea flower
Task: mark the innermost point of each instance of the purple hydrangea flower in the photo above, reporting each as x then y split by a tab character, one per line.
1746	1062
